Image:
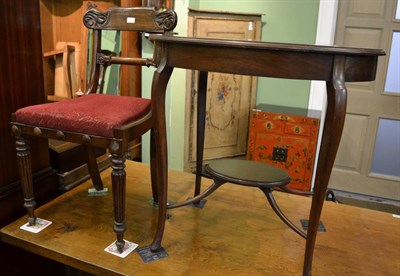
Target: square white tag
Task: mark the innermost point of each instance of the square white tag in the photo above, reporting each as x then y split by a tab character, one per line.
131	20
128	248
39	225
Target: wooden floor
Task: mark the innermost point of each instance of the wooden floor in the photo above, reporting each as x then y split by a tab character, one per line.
235	234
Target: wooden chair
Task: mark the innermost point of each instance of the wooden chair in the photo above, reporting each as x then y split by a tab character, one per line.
99	120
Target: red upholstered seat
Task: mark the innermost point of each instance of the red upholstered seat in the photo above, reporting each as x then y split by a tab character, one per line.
93	114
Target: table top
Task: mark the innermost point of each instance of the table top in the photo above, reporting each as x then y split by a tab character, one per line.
265	45
233	234
258	58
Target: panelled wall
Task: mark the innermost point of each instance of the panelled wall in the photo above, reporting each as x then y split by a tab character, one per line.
21	84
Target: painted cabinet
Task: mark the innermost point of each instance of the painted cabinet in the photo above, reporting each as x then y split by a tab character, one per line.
286	138
229	97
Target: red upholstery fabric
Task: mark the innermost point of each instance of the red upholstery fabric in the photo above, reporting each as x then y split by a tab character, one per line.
93	114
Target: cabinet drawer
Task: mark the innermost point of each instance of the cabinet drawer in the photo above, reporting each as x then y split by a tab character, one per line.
298	129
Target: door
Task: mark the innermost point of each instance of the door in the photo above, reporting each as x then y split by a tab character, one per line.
368	160
229	97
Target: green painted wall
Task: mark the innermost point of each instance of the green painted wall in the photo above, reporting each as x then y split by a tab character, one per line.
286	21
111	41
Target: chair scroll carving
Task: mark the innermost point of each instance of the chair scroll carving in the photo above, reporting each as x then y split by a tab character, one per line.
166	20
94	19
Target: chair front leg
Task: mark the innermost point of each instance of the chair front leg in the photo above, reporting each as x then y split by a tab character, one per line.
25	172
118	178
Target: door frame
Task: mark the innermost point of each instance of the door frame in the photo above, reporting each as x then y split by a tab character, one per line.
326	28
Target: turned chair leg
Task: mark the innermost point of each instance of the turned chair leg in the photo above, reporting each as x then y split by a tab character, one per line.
118	178
93	168
25	172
